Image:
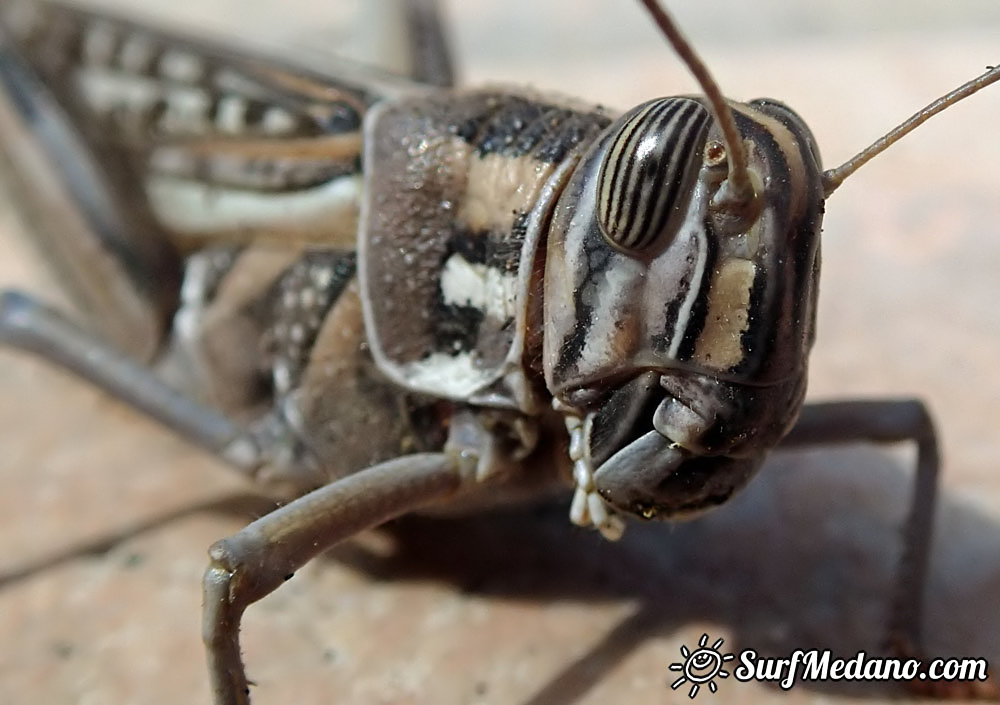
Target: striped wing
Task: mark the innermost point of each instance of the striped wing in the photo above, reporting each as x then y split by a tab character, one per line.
207	144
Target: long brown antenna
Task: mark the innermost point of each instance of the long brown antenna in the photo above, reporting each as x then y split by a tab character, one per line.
737	193
833	178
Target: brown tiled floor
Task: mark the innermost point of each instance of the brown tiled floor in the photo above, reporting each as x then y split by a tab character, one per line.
104	519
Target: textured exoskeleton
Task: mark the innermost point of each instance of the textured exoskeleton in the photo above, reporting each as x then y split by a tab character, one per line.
229	194
403	294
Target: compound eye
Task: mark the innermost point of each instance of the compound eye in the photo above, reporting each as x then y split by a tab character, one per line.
648	172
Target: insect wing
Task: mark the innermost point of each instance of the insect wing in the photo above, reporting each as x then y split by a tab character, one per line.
215	144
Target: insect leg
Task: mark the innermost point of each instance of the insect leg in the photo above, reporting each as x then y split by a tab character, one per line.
31	326
405	37
122	274
429	48
892	421
251	564
889	421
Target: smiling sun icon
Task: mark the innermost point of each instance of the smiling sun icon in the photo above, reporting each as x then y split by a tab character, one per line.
701	666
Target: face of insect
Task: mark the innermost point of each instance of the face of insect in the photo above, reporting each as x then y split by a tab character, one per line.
681	332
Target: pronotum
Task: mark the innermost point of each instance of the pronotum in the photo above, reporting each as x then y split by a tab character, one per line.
852	368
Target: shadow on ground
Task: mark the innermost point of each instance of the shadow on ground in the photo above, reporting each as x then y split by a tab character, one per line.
805	558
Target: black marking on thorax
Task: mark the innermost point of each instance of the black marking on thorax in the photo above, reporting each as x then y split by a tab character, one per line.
458	327
514	127
447	291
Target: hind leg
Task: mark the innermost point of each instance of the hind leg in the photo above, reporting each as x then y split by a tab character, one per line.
119	270
30	326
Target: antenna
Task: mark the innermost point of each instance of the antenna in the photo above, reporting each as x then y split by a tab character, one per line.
833	178
736	195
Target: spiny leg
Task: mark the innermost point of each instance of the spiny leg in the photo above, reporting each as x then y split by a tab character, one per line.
893	421
31	326
251	564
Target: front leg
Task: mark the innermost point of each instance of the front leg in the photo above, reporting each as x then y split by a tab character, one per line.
246	567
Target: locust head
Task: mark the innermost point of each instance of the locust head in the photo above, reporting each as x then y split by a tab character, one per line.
678	316
681	278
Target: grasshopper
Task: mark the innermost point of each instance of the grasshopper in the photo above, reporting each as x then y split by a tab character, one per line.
482	420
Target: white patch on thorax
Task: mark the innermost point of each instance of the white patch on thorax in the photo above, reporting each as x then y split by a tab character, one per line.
450	376
486	288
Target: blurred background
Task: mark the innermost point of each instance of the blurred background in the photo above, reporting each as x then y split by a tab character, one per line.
105	519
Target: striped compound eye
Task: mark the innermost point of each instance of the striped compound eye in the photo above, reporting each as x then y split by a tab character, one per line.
647	171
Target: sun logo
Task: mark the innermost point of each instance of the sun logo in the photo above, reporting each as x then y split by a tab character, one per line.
701	666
